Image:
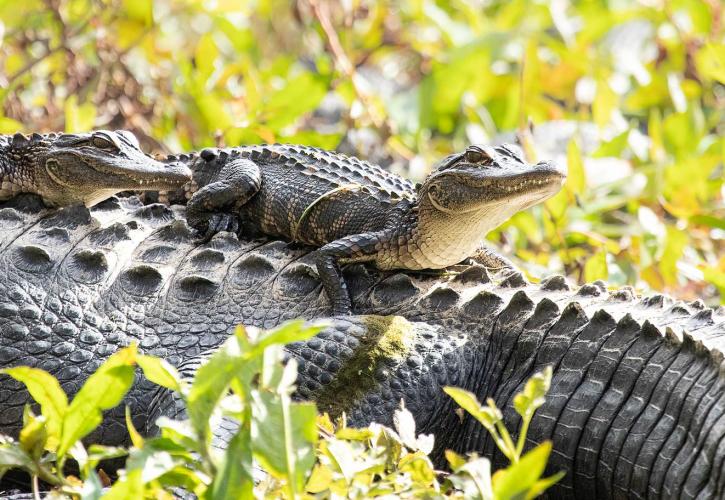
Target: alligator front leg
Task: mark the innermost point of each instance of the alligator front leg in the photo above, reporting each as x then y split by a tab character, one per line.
210	210
355	248
493	261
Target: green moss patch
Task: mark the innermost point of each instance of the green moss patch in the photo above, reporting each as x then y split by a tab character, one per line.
388	338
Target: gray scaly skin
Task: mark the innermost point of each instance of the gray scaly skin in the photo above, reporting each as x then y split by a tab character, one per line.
357	212
636	407
65	169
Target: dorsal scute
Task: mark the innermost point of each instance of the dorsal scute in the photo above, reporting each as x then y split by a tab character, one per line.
337	169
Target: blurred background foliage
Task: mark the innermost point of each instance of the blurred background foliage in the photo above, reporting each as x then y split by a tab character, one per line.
631	95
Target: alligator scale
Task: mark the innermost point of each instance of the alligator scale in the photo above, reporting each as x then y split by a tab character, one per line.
637	402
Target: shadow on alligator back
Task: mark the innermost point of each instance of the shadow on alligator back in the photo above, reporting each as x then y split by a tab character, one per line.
636	406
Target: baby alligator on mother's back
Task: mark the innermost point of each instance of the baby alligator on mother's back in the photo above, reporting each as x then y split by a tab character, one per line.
358	212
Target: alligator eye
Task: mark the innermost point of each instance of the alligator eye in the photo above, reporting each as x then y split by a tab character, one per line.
102	143
476	156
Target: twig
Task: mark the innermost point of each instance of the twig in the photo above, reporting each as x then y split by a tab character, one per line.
343	62
31	64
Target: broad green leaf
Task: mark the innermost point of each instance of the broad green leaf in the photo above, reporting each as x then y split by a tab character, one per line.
518	478
130	486
45	389
320	479
283	436
160	372
103	390
419	466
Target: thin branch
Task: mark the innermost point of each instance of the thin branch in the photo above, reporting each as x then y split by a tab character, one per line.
31	64
321	13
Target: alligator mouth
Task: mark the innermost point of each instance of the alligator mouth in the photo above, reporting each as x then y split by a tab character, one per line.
543	181
144	178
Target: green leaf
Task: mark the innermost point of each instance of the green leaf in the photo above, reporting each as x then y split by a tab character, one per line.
710	61
160	372
479	470
45	389
13	456
517	479
79	118
455	460
542	485
212	380
234	477
300	94
136	438
130	486
291	331
10	126
532	397
33	436
595	267
103	390
140	10
675	245
487	415
205	55
284	435
605	102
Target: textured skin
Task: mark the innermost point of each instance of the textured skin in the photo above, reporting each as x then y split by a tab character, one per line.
633	411
357	212
66	169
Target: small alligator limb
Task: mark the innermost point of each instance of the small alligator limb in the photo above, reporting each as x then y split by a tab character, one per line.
65	169
357	212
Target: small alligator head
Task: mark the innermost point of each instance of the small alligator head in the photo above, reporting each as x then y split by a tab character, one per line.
472	192
89	167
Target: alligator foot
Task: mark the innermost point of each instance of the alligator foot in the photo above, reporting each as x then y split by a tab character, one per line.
207	225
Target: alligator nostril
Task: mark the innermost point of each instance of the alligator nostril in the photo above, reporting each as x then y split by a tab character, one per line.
208	154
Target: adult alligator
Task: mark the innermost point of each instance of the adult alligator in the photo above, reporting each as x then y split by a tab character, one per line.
64	169
357	212
636	408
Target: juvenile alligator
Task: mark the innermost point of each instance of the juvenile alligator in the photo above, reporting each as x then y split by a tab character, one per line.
357	212
65	169
636	408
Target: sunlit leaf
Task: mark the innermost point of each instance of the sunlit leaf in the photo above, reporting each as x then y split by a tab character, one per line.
103	390
45	389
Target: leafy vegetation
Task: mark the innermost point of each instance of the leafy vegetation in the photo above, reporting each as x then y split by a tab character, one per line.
640	85
301	453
